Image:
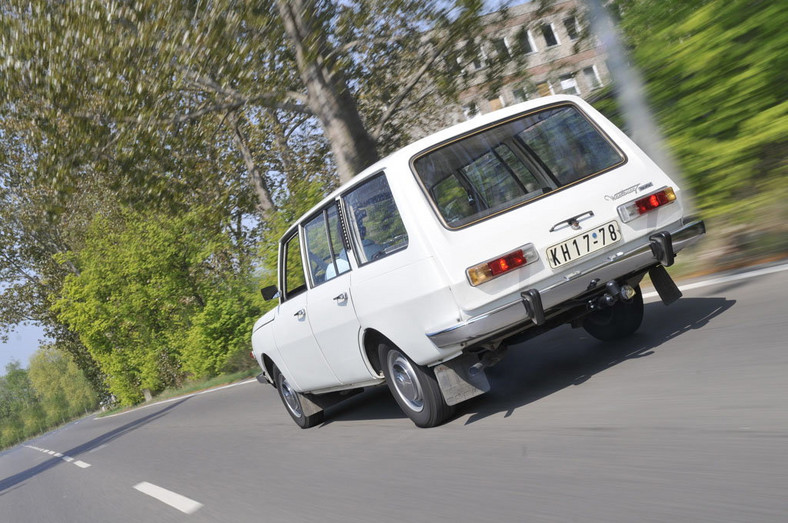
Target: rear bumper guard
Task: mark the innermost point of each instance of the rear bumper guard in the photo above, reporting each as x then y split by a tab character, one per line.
660	247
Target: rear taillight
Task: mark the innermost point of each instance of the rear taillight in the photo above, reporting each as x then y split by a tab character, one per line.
490	269
631	210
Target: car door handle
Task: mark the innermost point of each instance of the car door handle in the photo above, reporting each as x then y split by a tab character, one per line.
341	297
300	314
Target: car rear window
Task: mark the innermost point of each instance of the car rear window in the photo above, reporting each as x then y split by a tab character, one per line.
512	163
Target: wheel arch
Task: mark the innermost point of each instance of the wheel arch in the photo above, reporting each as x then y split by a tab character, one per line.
268	367
372	339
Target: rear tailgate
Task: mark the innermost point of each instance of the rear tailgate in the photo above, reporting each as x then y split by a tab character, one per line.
545	224
567	226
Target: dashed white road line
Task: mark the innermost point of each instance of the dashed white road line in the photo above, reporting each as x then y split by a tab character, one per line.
724	279
173	499
168	497
67	459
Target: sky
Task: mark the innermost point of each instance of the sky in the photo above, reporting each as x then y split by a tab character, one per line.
22	343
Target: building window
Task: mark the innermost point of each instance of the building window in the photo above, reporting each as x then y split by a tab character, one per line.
501	48
572	29
453	64
479	57
526	42
592	77
549	35
569	84
520	94
470	110
476	64
544	89
496	103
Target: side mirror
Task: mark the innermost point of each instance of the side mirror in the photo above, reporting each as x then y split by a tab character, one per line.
270	292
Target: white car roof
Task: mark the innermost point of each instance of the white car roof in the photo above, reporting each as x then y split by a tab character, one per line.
404	154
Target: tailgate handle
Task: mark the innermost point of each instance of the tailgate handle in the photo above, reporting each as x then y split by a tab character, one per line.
573	222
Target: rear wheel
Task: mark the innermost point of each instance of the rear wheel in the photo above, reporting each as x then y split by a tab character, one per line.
292	401
414	387
618	321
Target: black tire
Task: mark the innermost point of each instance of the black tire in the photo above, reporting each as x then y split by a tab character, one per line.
293	404
616	322
414	387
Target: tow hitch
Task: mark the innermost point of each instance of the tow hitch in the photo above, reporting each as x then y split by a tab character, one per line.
613	293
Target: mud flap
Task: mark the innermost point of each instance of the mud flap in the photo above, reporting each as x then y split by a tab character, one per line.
314	403
664	284
456	382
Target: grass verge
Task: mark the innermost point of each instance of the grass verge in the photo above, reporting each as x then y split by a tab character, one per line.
189	387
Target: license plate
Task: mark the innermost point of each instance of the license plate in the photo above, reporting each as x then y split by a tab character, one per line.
583	244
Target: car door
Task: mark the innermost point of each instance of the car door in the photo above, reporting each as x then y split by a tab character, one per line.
307	367
330	302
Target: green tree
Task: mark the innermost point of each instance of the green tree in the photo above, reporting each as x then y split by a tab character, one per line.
715	75
62	388
163	106
148	71
154	292
16	398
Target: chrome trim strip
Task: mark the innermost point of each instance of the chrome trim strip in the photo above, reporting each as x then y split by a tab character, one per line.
563	224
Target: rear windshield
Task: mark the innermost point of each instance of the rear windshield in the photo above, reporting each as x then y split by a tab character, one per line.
513	163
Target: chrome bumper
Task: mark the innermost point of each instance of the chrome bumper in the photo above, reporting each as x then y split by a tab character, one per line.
505	317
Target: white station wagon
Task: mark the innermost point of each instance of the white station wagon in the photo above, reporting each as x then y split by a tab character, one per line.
424	268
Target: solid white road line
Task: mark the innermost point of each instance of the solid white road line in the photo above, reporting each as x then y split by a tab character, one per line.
178	398
182	503
724	279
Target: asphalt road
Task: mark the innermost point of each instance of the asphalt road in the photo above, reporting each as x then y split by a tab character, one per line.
685	421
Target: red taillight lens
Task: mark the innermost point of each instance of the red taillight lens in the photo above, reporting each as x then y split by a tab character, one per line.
648	203
490	269
507	263
631	210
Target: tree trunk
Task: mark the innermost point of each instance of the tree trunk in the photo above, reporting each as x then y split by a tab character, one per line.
328	96
265	203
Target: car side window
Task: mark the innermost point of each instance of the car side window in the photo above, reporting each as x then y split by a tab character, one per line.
294	280
325	249
375	225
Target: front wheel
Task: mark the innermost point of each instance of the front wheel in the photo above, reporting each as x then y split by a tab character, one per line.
292	401
618	321
414	387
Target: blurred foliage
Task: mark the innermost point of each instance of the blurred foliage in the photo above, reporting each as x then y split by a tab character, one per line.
122	122
153	153
716	78
51	392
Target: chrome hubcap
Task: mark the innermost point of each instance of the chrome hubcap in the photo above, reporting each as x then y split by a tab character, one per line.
405	381
290	396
